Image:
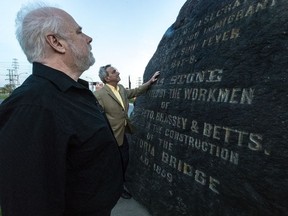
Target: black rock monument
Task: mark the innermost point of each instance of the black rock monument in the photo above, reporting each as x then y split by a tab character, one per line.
211	135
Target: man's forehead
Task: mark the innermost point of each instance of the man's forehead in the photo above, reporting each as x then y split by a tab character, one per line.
111	69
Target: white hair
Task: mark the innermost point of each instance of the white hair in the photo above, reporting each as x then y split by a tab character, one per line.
33	22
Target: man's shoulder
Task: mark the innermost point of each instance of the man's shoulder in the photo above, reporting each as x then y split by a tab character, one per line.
121	87
101	91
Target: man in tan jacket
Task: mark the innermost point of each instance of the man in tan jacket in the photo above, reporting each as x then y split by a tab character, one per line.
114	99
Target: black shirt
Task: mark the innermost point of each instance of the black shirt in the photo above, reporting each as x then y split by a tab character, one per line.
58	155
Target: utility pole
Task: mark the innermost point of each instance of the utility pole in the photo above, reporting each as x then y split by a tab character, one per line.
15	67
11	85
13	75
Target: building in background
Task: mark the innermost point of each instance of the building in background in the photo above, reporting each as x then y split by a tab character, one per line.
139	82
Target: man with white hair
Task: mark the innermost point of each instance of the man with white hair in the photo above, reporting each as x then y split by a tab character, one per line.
58	155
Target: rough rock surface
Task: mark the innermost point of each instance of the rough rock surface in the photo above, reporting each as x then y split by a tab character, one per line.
212	132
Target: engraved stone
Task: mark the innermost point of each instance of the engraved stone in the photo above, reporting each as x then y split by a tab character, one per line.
212	135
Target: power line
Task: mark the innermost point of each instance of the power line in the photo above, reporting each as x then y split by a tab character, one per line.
12	71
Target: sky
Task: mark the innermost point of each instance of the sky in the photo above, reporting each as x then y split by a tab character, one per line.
125	33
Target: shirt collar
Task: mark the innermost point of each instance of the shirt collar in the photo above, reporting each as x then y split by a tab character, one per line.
60	79
112	87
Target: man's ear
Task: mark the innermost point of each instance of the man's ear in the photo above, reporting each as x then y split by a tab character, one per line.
55	43
107	78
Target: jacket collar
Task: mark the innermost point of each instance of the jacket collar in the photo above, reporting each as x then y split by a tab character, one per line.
110	92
